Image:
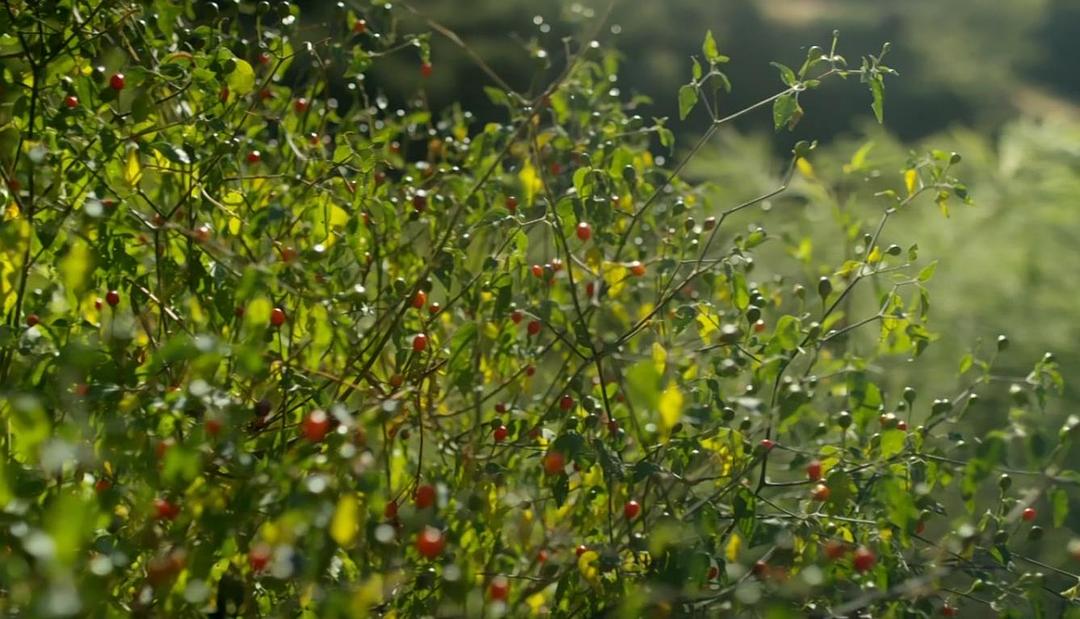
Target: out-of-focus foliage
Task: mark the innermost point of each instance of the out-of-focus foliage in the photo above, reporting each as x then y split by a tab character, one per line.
276	346
978	62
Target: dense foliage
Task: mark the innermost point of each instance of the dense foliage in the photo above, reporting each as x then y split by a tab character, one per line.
272	350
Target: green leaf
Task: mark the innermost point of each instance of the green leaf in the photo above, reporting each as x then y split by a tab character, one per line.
643	383
1060	500
242	80
966	363
688	98
927	272
497	96
784	110
708	47
877	91
787	332
786	74
892	442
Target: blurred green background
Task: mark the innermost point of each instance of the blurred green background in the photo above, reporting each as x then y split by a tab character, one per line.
995	80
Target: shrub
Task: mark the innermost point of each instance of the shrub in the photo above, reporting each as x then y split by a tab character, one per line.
296	352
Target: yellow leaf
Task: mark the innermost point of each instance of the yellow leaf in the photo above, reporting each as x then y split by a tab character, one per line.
587	565
731	550
530	183
133	171
535	602
911	181
615	275
659	357
671	406
707	321
346	521
76	266
875	255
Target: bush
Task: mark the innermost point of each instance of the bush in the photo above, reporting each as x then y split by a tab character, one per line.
276	350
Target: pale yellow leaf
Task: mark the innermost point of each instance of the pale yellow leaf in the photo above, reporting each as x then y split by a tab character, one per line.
671	406
345	524
911	181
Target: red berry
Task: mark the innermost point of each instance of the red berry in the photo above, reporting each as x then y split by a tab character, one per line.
566	402
834	549
213	426
500	434
102	485
631	509
556	168
534	327
288	253
98	303
530	370
315	426
516	316
82	390
864	559
590	289
760	569
223	94
359	26
426	69
116	82
556	265
277	317
162	447
949	610
901	425
425	496
390	511
767	444
511	204
554	463
813	470
821	492
542	556
112	297
300	105
32	320
419	342
202	234
434	308
419	200
430	542
584	231
637	269
499	588
164	510
254	157
259	557
71	101
759	326
537	271
419	299
1028	514
581	549
263	58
